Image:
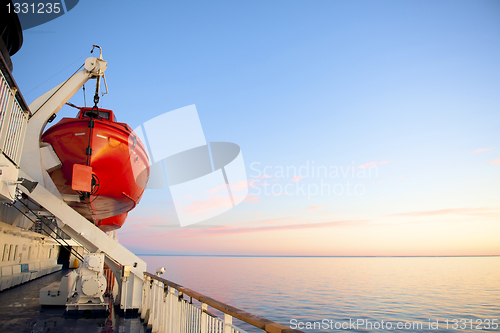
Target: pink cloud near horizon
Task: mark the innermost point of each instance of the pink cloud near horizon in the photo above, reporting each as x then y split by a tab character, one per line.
314	207
202	207
479	211
227	230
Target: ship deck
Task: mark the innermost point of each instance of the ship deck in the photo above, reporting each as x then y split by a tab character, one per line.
21	312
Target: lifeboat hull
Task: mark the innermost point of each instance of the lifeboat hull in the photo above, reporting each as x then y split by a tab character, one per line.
119	162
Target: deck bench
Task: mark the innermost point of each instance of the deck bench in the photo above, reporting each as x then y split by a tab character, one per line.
6	278
17	275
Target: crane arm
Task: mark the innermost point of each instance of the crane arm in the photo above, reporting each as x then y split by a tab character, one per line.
44	107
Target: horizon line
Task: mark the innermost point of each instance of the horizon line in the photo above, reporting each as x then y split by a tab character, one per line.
313	256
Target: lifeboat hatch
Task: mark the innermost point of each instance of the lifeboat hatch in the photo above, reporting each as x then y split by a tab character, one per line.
82	178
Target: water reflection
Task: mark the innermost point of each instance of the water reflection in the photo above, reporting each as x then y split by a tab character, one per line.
343	289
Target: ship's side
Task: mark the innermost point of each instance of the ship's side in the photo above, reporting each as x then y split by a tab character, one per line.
26	249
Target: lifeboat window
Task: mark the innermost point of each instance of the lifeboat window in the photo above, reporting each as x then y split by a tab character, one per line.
102	114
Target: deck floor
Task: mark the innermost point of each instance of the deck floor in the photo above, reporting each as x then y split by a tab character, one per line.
20	311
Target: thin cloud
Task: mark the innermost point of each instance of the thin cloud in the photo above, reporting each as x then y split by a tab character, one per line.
373	164
218	188
314	207
146	225
497	161
480	211
228	230
296	178
145	220
201	208
252	198
272	221
282	193
482	150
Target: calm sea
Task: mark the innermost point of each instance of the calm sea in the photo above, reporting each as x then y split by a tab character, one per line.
438	294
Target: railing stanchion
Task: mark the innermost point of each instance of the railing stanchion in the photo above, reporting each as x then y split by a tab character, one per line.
146	308
166	311
158	307
152	310
179	306
228	322
204	318
169	314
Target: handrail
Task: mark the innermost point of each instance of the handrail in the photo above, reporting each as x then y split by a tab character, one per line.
249	318
14	115
12	83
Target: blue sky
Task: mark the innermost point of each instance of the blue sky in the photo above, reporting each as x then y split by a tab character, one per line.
409	89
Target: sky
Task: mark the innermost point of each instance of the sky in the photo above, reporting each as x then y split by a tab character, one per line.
367	128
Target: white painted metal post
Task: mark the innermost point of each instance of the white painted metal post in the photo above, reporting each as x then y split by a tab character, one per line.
154	307
160	302
159	307
141	306
228	321
182	306
172	310
145	300
124	294
180	309
204	318
152	310
162	321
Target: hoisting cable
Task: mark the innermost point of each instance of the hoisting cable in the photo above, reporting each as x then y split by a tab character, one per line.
84	98
62	85
34	202
76	254
94	113
77	60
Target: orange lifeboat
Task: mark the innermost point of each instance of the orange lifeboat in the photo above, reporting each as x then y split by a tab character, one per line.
105	167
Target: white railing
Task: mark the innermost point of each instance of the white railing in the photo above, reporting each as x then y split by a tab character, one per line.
13	120
165	310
